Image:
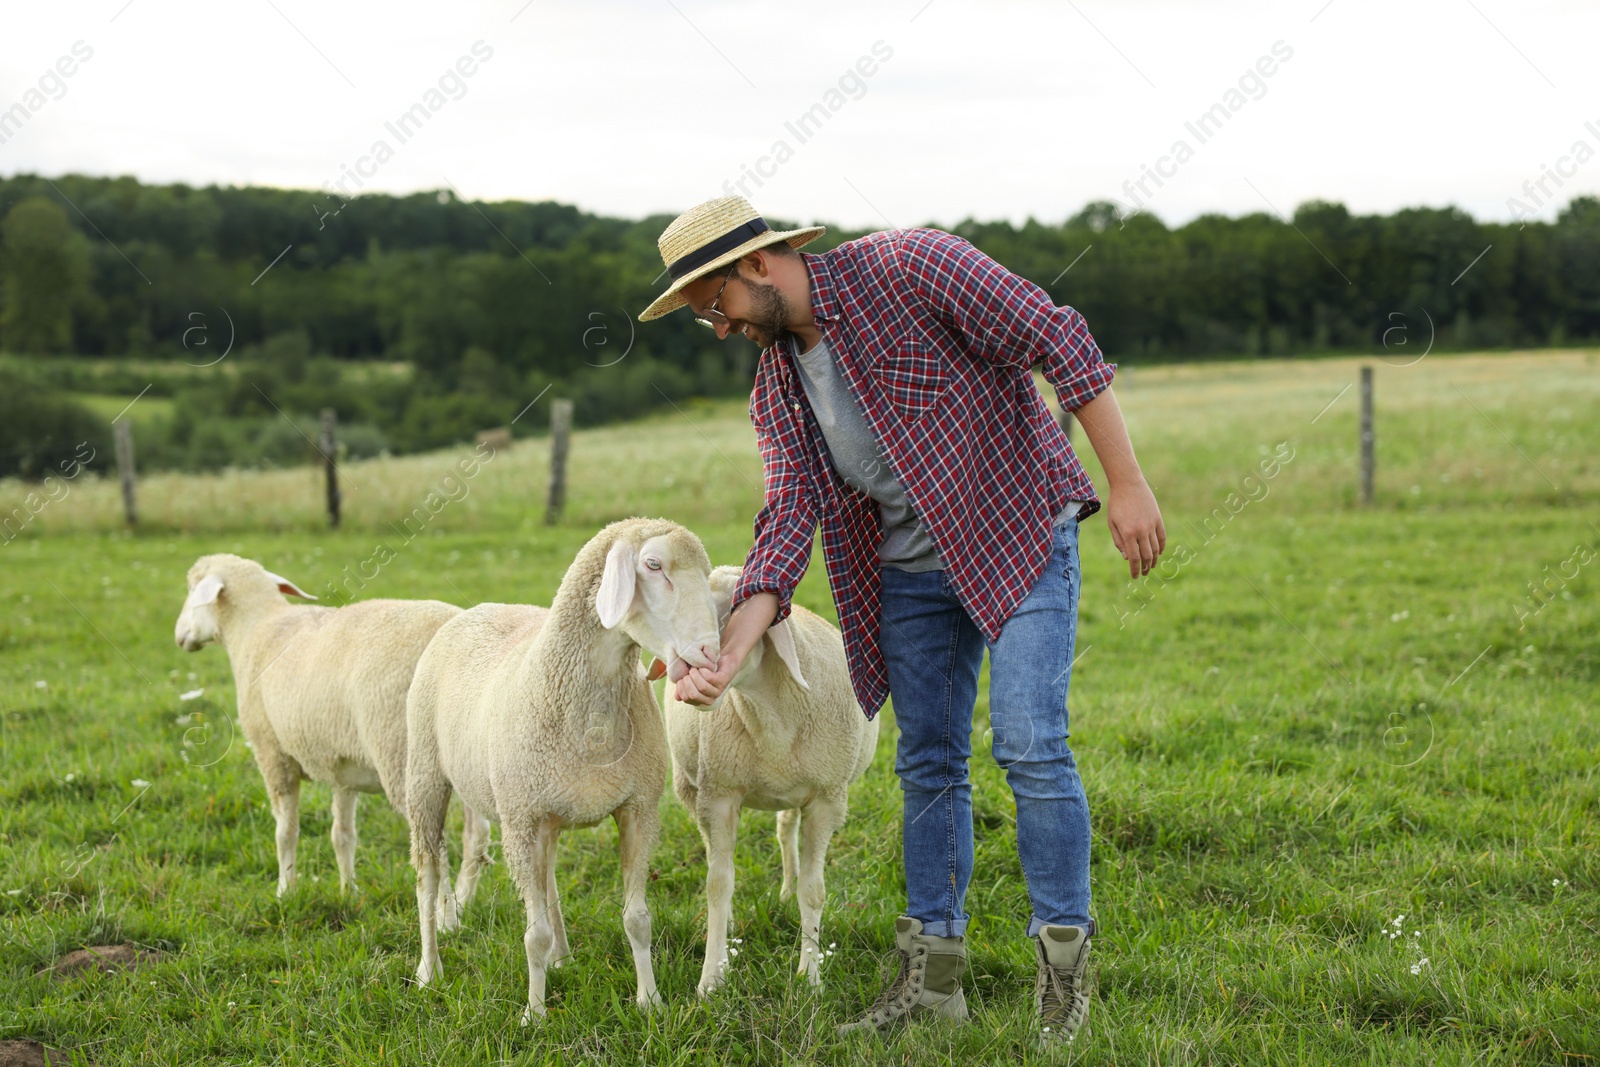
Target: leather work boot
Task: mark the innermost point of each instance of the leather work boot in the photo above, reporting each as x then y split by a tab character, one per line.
1060	995
928	982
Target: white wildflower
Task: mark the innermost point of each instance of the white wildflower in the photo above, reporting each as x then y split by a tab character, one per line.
70	776
1416	968
191	694
41	684
140	783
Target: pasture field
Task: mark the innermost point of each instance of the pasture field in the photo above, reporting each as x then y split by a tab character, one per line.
1342	761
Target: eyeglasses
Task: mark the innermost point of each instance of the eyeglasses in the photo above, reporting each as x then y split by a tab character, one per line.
711	318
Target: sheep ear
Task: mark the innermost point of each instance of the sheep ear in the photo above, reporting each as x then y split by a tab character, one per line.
288	588
616	584
204	592
783	644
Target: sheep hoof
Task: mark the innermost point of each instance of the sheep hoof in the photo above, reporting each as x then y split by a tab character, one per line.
650	1002
785	891
530	1015
425	973
708	985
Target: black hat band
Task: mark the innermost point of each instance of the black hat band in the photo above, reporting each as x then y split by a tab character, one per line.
707	252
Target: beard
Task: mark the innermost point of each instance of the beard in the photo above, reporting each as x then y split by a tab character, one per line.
769	316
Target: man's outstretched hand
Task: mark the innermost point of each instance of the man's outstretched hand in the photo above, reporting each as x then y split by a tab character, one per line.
1136	527
702	686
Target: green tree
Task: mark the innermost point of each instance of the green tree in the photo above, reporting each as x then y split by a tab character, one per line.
44	274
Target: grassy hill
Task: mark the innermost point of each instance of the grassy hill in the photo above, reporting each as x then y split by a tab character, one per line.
1313	720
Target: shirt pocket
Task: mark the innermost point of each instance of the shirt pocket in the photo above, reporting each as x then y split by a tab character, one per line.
913	376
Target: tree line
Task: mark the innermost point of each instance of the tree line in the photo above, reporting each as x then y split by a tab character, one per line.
489	303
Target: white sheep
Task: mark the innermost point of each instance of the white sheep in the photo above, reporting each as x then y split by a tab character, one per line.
542	719
322	695
787	735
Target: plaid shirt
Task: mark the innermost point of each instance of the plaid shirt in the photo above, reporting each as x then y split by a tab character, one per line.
937	341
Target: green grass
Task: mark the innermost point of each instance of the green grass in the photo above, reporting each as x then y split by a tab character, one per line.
1275	773
140	410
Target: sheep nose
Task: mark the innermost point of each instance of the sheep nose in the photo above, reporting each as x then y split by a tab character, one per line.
704	654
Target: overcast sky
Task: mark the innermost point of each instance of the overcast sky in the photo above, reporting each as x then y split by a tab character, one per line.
992	109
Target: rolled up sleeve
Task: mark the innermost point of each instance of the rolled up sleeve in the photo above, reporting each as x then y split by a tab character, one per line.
1004	318
784	528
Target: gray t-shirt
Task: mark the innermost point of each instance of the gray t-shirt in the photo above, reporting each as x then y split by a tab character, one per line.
860	462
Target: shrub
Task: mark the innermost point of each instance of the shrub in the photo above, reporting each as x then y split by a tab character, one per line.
41	430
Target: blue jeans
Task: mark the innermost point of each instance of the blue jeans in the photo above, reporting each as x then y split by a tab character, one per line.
934	650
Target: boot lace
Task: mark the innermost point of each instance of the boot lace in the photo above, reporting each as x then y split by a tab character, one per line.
896	975
1056	989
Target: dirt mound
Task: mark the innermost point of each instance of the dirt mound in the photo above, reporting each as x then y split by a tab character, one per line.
101	958
30	1054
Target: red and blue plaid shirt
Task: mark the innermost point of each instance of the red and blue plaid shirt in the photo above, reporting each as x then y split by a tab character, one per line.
937	341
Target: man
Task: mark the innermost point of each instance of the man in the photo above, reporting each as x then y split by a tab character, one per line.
894	404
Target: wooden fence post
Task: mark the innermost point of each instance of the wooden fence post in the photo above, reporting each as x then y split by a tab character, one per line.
1367	459
123	433
560	429
329	445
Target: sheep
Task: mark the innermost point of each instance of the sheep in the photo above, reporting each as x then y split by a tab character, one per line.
542	718
322	696
777	741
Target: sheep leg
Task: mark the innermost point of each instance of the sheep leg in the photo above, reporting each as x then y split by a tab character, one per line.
789	846
638	827
446	912
427	811
474	854
286	812
529	852
719	826
822	818
559	950
344	837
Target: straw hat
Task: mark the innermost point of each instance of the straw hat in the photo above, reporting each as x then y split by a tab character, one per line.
712	235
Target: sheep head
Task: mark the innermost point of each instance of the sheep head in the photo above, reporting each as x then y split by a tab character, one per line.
655	587
210	579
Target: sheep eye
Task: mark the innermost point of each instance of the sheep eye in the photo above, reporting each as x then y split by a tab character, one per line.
653	564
